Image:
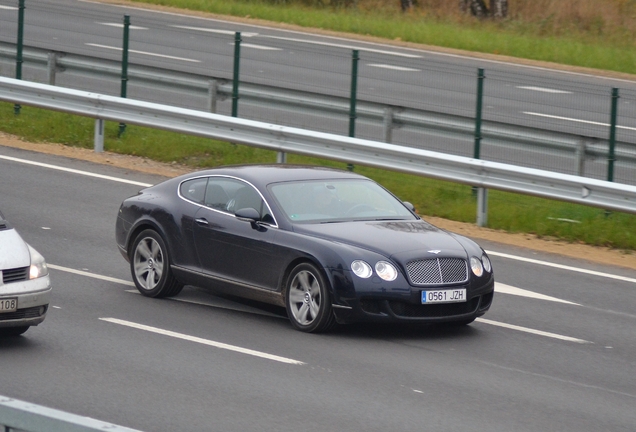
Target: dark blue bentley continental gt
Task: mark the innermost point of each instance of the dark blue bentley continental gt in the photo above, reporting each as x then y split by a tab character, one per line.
331	246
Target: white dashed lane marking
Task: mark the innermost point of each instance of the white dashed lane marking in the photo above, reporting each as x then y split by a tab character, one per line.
120	25
144	53
392	67
544	90
202	341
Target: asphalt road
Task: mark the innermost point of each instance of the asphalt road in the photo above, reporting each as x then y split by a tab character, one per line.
401	77
557	351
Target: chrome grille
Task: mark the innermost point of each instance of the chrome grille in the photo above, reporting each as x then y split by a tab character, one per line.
437	271
14	275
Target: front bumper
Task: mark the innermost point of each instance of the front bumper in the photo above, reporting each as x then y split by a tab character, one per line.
405	306
33	302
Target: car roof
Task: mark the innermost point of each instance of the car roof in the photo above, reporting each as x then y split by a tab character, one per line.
266	174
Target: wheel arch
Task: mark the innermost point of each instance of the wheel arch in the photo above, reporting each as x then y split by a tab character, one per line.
308	259
142	226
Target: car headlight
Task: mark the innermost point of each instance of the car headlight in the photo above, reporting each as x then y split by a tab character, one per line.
486	262
361	269
476	266
386	270
38	267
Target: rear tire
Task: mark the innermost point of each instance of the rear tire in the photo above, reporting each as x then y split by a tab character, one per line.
13	331
308	301
150	266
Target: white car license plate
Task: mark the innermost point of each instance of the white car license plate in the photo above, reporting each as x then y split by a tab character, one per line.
444	296
8	305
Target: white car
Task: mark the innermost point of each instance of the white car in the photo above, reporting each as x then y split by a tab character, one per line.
25	286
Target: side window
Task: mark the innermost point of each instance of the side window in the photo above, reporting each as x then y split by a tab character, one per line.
216	195
194	190
227	195
242	195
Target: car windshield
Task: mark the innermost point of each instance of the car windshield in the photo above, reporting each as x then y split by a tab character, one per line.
337	200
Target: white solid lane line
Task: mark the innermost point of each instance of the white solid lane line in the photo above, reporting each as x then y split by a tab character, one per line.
74	171
563	267
397	68
543	89
203	341
8	7
532	331
576	120
507	289
144	53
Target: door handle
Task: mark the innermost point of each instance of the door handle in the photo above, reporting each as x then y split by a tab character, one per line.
201	221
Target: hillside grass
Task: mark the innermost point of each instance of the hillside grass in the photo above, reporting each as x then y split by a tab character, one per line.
509	212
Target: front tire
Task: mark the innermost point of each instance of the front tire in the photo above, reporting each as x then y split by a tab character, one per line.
150	266
308	301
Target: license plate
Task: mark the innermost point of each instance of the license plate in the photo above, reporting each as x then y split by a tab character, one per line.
444	296
8	305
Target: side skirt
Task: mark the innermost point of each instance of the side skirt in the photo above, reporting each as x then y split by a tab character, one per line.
229	287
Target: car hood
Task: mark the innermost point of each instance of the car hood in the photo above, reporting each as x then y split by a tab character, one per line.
389	238
14	252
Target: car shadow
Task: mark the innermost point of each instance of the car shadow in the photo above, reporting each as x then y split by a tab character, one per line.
357	330
8	343
406	331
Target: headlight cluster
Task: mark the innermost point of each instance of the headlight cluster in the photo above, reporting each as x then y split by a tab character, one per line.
478	266
38	267
384	269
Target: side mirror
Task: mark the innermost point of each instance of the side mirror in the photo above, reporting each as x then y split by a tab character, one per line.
409	206
248	214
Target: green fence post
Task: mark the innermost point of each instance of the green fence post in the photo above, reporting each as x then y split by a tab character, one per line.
354	89
124	67
478	111
612	138
235	81
355	57
19	59
480	193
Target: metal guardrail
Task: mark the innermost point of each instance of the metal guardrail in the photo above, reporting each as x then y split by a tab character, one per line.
497	134
478	173
20	416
